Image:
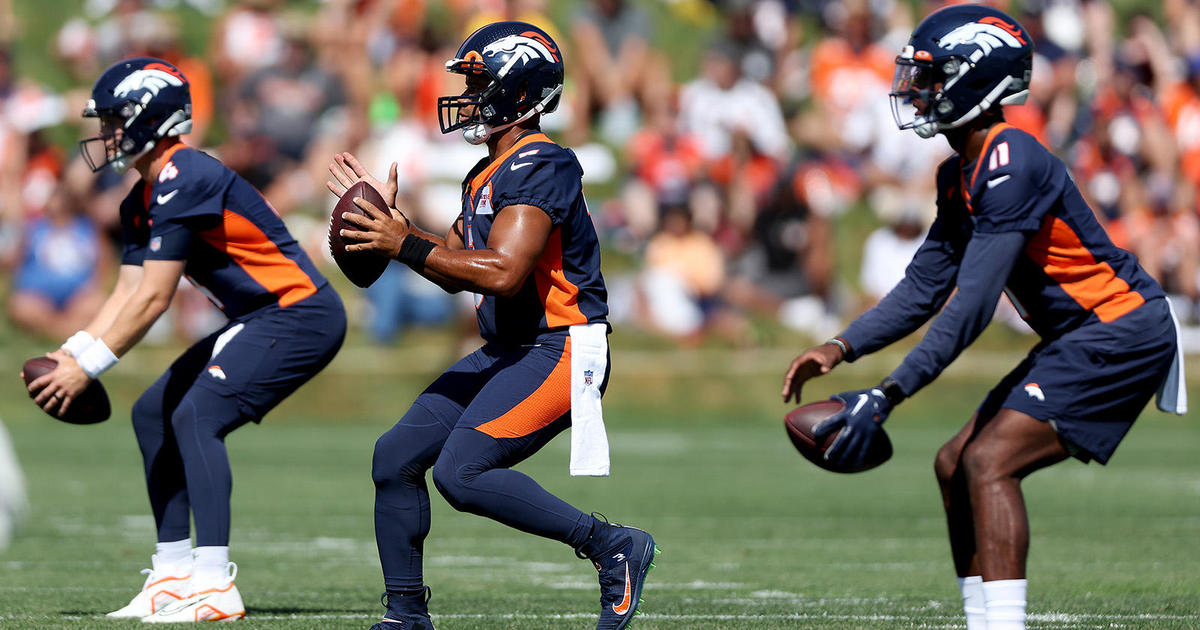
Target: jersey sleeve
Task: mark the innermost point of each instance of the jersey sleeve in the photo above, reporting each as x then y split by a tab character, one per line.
1012	185
928	281
133	229
188	197
987	263
545	176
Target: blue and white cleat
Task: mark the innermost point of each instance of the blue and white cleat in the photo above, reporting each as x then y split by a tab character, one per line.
628	557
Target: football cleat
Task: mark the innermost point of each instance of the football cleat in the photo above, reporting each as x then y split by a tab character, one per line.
628	557
221	603
158	591
406	612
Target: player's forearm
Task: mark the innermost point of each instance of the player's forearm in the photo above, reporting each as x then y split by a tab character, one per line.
482	271
126	284
135	318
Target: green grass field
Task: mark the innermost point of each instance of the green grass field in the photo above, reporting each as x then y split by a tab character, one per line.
753	536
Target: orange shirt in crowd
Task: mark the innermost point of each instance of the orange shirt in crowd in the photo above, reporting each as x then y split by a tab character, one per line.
843	77
694	257
1181	108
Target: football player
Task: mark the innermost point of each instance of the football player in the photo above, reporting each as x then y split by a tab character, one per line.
525	245
190	216
1009	219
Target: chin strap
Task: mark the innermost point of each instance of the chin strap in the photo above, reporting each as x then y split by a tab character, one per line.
480	132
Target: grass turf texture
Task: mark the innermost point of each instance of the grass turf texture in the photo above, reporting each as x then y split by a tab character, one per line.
753	536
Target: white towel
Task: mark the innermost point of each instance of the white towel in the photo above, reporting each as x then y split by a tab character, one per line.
589	362
1172	394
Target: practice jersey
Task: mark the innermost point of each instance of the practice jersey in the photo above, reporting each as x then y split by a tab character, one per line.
565	287
237	250
1069	273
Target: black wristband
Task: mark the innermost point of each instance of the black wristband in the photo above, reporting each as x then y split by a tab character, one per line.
892	392
413	252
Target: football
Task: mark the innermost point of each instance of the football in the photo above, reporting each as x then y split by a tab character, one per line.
363	269
89	408
800	423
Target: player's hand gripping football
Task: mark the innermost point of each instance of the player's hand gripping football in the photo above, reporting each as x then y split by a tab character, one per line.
814	362
861	421
347	170
382	230
56	390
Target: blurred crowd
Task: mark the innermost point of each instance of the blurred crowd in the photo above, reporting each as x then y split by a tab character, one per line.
740	157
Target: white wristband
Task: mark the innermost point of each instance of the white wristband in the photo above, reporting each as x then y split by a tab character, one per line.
97	358
77	343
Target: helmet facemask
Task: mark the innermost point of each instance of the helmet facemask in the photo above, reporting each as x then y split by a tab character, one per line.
918	95
116	148
483	118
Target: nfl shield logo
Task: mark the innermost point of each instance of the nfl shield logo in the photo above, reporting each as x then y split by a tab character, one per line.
587	377
156	243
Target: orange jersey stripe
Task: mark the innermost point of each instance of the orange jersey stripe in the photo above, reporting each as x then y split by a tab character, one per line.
559	296
1094	285
259	257
483	176
546	404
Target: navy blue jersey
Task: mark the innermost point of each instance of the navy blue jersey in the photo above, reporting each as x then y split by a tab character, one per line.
238	251
1012	221
565	287
1070	274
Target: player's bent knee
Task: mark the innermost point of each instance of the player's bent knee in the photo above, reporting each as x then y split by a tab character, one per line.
454	481
396	458
946	463
147	410
982	464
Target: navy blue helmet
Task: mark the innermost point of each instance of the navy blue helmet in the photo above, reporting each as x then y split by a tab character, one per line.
139	101
524	72
960	62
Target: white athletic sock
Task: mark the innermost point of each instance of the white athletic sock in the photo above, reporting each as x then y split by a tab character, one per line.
973	603
173	558
211	568
1005	604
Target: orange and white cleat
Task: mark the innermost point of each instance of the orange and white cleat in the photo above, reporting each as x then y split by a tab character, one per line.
159	590
220	603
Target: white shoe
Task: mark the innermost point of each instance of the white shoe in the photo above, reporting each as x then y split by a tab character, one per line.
221	603
158	591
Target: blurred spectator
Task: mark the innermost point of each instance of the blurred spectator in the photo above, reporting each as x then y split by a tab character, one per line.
721	103
400	299
683	277
60	266
281	111
615	70
664	164
246	39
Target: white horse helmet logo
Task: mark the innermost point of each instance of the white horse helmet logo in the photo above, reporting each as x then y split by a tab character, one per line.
988	34
523	48
152	78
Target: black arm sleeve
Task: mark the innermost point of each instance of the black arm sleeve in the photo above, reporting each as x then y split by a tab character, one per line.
927	283
986	265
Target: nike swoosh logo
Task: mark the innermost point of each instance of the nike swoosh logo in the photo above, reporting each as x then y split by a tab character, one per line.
162	199
623	606
862	400
992	183
520	166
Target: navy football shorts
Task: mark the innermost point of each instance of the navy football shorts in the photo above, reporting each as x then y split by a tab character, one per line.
1091	383
262	357
518	394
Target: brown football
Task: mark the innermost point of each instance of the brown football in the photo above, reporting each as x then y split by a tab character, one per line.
800	423
89	408
362	268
